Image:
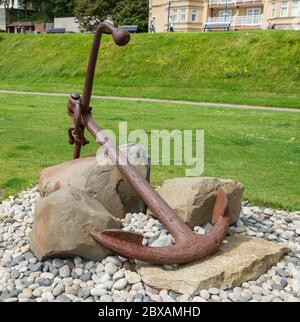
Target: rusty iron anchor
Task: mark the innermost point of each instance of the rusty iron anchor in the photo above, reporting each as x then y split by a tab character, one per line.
188	246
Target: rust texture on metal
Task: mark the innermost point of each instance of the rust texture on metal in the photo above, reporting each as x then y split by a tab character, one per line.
188	246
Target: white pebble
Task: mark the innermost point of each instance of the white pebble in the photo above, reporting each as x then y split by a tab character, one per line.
120	284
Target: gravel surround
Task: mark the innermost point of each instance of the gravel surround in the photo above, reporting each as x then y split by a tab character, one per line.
23	278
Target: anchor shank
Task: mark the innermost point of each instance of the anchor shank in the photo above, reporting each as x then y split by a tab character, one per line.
176	226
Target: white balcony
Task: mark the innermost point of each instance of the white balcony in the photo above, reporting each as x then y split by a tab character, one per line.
232	2
241	21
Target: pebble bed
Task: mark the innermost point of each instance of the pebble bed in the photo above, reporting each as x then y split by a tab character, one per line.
23	278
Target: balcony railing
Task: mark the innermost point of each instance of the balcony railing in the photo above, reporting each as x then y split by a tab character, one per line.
241	21
223	2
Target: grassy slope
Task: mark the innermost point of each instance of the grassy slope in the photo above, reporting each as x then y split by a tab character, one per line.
259	148
254	67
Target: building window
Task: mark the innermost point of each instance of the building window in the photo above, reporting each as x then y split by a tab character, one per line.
225	14
284	9
253	12
224	1
295	8
273	10
183	15
174	15
194	15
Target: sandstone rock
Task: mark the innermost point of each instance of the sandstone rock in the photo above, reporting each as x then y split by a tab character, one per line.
100	179
132	277
62	223
240	260
193	199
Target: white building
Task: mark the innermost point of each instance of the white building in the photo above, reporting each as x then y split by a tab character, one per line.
2	19
67	23
16	4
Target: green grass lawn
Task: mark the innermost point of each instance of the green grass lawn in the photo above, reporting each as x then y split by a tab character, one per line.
259	148
259	67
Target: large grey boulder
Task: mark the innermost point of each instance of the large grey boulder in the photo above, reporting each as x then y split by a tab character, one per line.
193	199
240	259
100	179
62	223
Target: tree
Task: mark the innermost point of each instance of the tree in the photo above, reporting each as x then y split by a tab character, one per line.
6	4
50	8
90	13
59	8
43	9
130	12
24	4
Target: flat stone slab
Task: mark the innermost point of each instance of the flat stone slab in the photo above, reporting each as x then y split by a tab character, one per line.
239	260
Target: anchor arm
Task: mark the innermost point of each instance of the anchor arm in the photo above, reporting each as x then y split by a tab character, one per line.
191	248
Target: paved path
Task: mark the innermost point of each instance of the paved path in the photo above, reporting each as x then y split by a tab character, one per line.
154	100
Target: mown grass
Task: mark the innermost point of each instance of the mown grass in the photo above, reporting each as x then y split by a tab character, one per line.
247	67
259	148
